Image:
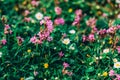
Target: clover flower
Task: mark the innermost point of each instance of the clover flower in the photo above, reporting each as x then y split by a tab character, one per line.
58	10
59	21
3	41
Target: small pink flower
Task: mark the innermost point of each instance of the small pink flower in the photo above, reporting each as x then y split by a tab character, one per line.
117	76
91	37
111	30
3	41
35	3
84	38
61	54
58	10
78	12
27	19
59	21
102	32
91	22
33	39
118	49
65	65
27	12
49	39
111	73
118	27
7	26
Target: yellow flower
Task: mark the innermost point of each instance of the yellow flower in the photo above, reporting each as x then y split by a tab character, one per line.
105	74
110	41
21	78
46	65
29	50
16	8
24	3
70	10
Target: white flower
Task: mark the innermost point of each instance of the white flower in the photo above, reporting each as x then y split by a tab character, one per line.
56	78
115	60
72	31
66	41
117	65
39	16
106	50
0	54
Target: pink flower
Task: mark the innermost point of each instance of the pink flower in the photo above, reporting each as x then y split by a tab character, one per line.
65	65
59	21
3	41
33	39
27	19
61	54
91	22
91	37
78	12
117	76
102	32
111	30
118	49
84	38
118	27
27	12
77	17
49	39
111	73
7	26
58	10
35	3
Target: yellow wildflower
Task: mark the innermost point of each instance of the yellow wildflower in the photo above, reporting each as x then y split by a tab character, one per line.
29	50
46	65
70	10
16	8
105	74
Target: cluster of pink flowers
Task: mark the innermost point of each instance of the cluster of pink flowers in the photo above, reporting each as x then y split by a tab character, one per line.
59	21
26	13
58	10
112	73
3	41
7	29
91	22
35	3
102	32
27	19
90	38
78	16
64	71
43	34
